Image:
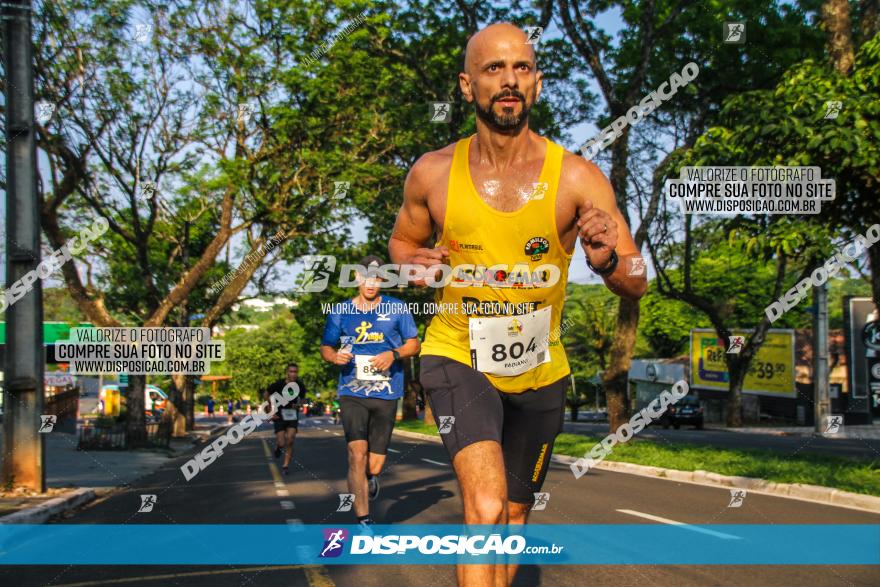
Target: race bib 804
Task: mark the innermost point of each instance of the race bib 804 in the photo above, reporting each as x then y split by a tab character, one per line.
510	345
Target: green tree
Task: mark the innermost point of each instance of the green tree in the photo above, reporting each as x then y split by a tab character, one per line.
215	113
731	275
658	38
255	358
787	125
666	324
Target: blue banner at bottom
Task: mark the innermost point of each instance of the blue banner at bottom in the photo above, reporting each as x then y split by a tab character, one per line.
618	544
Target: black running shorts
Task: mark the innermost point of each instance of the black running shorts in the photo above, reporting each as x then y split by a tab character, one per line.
281	425
368	418
524	424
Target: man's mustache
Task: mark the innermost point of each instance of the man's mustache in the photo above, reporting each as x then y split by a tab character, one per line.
508	94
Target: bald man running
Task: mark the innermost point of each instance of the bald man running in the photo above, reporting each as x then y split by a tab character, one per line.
508	205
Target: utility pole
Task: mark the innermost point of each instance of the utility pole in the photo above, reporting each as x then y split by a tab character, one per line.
23	456
822	403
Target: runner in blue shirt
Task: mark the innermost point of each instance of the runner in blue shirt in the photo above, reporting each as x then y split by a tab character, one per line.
372	333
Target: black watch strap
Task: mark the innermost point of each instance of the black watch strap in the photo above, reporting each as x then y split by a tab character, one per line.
612	265
396	354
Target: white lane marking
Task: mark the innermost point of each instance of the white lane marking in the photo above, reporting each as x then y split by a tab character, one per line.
681	525
282	492
337	434
287	504
279	485
434	462
392	450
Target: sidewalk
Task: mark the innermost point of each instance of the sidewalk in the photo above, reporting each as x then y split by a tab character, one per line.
69	469
863	431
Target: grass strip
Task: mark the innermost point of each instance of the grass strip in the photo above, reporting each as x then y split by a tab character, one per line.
848	474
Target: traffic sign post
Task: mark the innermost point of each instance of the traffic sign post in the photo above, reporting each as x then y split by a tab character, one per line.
822	403
862	333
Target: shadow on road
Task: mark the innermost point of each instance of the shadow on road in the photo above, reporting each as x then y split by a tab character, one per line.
413	502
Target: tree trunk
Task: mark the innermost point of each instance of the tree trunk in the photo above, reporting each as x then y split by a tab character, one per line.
614	379
737	370
178	409
135	423
838	31
574	412
189	403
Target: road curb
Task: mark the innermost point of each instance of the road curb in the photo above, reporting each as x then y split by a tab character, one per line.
211	434
812	493
418	435
42	512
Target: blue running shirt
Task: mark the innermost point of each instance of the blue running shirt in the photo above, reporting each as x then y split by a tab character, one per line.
386	327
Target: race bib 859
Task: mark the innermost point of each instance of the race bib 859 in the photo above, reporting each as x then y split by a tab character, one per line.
365	371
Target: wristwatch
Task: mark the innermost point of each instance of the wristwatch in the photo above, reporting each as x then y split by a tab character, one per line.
396	355
612	265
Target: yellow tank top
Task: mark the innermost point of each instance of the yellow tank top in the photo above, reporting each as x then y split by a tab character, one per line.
480	237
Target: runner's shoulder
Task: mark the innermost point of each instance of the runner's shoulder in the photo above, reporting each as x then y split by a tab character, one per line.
580	177
430	170
576	168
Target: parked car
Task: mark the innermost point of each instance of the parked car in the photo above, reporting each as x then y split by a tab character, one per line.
685	411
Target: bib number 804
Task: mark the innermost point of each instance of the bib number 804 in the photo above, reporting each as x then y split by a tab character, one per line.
500	352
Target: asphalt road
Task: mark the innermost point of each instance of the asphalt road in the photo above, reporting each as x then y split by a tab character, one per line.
862	448
243	487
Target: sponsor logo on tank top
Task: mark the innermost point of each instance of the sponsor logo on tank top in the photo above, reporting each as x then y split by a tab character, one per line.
459	247
536	247
364	334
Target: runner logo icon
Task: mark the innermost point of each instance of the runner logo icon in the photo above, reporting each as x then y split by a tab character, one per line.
346	500
541	500
736	344
333	541
47	423
446	423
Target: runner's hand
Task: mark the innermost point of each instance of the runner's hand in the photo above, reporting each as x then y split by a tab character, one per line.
343	358
597	241
427	258
383	361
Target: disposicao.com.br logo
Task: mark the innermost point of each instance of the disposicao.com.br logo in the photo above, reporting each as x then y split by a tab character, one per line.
431	544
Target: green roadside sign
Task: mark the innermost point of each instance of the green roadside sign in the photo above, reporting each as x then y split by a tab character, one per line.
52	331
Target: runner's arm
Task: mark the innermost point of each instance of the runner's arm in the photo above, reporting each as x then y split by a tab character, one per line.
301	398
414	226
597	208
332	332
329	354
410	348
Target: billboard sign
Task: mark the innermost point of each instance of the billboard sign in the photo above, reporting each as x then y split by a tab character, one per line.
771	371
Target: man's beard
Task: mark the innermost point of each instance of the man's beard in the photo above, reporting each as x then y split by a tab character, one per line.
504	123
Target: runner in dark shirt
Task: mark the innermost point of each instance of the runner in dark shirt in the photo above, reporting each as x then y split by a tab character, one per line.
286	418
